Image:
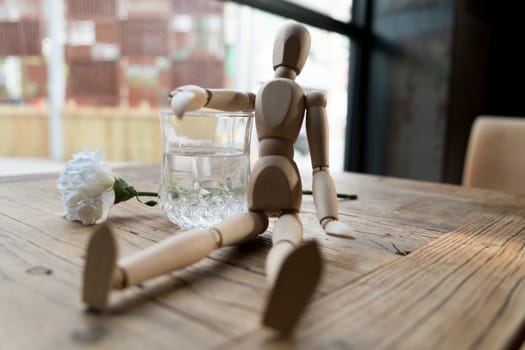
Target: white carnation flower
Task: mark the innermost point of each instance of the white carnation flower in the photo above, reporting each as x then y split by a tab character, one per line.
89	189
86	188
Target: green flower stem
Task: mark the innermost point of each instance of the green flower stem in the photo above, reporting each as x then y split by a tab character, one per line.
147	194
339	195
124	191
151	203
305	192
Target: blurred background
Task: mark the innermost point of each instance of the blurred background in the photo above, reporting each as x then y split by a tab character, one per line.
404	78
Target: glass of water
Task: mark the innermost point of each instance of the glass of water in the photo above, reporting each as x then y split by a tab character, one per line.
205	167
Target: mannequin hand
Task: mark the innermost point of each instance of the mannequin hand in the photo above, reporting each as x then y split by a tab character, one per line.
338	229
179	101
187	98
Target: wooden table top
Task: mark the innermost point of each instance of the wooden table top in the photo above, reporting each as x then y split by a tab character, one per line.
433	266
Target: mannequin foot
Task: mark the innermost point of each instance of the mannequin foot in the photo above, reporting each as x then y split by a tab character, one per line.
99	269
293	288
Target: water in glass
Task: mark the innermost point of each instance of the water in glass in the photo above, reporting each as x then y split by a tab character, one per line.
203	186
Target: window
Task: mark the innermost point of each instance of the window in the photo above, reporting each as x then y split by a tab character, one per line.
106	67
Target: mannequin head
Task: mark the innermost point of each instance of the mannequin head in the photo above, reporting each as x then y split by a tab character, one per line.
291	46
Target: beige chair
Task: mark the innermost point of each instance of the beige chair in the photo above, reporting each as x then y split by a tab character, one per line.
496	154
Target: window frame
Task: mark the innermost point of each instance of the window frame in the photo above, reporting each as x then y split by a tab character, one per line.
358	31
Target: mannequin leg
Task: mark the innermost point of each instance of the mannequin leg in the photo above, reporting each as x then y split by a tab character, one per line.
187	247
177	251
100	268
293	271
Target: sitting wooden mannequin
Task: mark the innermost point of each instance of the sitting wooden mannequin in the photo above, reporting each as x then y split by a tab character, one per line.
274	190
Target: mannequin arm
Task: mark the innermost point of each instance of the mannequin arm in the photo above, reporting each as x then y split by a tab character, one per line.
192	97
323	188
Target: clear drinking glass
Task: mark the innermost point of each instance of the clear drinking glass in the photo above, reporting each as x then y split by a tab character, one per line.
205	167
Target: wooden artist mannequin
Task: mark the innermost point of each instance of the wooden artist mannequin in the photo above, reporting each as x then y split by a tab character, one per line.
274	190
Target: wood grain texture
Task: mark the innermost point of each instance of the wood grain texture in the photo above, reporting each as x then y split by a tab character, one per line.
465	290
219	300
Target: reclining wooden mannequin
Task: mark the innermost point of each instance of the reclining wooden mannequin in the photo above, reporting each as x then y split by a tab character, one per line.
274	190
